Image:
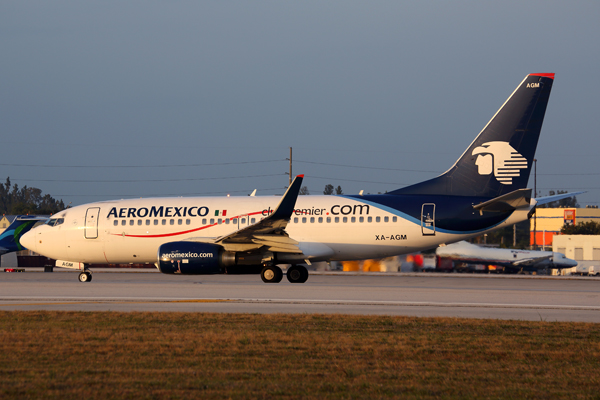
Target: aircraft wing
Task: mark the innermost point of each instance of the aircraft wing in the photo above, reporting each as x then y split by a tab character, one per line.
270	231
530	261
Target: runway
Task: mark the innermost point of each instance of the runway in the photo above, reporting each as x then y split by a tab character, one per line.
426	295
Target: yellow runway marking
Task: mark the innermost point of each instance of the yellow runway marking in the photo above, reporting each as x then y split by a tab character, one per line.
113	302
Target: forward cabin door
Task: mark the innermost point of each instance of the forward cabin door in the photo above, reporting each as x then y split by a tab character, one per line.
428	219
91	223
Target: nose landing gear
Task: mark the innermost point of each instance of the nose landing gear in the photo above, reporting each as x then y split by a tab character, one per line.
85	276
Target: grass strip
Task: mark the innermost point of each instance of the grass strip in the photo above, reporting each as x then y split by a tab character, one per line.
99	355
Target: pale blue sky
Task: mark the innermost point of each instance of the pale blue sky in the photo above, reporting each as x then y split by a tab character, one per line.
200	87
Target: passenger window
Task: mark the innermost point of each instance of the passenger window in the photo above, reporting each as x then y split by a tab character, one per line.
345	219
188	221
303	220
312	220
212	221
296	220
155	222
234	221
386	219
377	219
164	221
116	222
328	220
361	219
337	219
394	219
369	219
179	222
203	221
147	222
220	221
131	222
253	220
139	221
353	219
123	222
320	220
226	221
243	221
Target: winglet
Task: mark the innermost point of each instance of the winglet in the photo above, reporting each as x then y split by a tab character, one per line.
285	208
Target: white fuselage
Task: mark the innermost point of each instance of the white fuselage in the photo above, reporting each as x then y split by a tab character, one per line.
326	227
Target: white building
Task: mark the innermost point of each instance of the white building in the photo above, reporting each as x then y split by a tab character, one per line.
578	247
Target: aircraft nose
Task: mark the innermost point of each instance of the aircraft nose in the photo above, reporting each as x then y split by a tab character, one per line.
28	240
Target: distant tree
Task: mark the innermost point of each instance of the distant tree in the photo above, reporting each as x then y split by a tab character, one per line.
26	200
569	202
338	190
328	189
582	228
304	190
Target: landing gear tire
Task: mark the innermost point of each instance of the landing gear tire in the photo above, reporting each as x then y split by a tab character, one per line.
85	276
271	274
297	274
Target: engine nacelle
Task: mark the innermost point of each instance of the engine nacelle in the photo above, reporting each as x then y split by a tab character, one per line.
191	258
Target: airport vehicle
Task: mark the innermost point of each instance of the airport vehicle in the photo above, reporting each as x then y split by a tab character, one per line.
10	238
510	259
484	190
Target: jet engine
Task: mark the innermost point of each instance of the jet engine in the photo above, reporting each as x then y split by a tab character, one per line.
192	258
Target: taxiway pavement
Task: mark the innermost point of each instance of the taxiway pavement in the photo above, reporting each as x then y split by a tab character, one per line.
426	295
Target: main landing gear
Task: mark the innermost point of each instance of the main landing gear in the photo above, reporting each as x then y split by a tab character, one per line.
295	274
85	276
271	274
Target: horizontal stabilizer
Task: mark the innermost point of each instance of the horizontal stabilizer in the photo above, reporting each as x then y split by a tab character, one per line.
549	199
507	202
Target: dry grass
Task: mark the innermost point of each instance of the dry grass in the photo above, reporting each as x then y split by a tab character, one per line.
193	355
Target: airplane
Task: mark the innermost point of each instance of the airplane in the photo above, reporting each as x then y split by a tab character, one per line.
516	260
483	191
10	238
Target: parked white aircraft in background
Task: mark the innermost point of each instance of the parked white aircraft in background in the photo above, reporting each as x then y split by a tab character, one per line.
483	191
518	260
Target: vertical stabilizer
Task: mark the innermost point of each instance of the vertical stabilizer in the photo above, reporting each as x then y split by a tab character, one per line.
499	160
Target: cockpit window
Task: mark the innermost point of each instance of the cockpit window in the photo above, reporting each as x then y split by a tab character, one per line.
55	221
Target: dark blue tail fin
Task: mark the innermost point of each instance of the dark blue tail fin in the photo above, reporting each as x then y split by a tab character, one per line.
499	160
9	239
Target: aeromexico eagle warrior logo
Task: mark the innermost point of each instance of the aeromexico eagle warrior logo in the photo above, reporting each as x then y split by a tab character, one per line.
500	158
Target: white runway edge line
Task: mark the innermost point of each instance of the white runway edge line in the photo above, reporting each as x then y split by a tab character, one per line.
291	301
